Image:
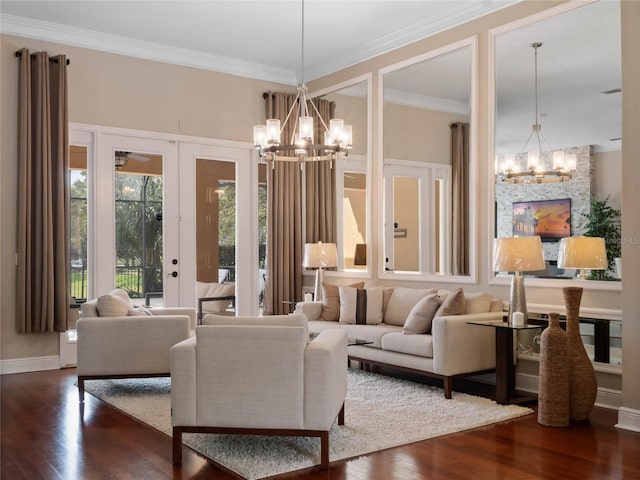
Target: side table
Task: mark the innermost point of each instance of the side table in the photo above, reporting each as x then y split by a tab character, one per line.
505	369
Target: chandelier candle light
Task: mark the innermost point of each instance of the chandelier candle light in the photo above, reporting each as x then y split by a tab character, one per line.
338	137
562	166
517	254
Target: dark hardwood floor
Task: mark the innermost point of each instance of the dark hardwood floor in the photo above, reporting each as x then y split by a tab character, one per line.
45	437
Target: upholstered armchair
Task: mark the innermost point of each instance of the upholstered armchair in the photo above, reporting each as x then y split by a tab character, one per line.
216	298
118	340
258	376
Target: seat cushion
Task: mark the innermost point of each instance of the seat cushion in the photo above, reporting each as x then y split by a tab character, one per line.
419	345
370	333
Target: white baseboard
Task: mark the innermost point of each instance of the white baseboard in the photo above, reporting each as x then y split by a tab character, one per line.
628	419
32	364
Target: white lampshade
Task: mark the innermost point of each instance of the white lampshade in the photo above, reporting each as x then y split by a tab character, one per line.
517	254
320	255
582	252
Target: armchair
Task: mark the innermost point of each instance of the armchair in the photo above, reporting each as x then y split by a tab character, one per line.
258	376
215	298
120	341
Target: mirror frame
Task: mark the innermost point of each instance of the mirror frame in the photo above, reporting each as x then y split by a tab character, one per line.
472	278
368	79
492	278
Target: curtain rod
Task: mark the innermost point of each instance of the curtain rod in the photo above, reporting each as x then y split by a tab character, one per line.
51	59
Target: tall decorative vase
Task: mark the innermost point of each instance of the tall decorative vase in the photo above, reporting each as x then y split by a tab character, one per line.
553	387
583	386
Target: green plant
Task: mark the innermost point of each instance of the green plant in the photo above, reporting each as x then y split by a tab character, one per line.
604	221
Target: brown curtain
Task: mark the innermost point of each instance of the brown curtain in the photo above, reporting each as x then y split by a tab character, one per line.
284	220
43	194
460	201
320	186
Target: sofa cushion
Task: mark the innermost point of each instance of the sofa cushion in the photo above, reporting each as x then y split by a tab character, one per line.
331	301
420	317
453	304
112	306
419	345
401	302
370	333
477	302
361	306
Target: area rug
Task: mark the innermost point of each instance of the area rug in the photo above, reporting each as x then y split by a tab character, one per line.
380	412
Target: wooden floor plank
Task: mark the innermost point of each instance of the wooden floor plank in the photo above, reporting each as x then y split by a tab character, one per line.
43	436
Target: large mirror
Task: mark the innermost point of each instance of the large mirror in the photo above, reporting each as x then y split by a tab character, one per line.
428	164
572	90
562	73
351	101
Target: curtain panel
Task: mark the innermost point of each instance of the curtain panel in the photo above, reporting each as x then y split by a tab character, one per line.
285	205
460	201
43	194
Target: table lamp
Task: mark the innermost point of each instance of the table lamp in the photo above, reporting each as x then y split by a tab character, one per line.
582	253
517	254
320	256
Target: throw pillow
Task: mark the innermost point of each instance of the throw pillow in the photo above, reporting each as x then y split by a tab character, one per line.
453	304
360	306
112	306
477	302
401	302
331	301
421	315
139	311
121	293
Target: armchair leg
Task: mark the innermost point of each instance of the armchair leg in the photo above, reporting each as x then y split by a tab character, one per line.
341	415
177	444
324	450
81	389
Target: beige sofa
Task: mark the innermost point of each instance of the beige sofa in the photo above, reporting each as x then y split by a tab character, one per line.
448	348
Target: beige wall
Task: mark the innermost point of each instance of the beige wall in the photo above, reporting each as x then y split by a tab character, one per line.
607	176
119	91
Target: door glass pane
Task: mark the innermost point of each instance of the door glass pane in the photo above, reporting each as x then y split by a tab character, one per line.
138	207
78	222
215	221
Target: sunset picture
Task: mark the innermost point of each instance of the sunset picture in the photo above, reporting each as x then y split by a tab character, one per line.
550	219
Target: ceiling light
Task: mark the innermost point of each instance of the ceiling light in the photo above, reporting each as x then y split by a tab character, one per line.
541	164
337	136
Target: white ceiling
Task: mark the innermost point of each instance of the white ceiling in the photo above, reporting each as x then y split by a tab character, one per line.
257	39
580	57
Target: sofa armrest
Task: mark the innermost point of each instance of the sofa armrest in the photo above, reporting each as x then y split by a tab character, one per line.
129	345
459	347
312	310
183	382
190	312
325	378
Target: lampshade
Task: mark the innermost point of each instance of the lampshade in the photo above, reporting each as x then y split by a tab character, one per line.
517	254
582	252
320	255
360	257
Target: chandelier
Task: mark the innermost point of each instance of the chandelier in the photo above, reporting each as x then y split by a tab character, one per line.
337	139
542	165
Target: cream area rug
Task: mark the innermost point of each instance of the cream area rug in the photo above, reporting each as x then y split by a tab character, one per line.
380	412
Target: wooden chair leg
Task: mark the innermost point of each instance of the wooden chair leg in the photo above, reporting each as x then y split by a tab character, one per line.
448	387
324	450
177	445
341	415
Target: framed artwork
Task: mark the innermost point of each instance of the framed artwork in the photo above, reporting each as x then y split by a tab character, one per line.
549	219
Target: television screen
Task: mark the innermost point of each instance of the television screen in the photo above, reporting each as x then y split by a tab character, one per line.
549	219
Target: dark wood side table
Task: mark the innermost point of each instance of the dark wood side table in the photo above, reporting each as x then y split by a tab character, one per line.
506	392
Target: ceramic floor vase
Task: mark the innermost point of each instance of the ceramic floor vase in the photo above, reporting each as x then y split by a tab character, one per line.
553	388
583	386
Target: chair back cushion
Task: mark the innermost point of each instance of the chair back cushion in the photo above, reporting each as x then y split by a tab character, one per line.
207	290
294	320
250	376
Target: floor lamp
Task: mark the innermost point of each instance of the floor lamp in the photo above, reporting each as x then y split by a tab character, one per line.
320	256
517	254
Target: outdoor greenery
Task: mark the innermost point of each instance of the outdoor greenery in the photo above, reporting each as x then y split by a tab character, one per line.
604	221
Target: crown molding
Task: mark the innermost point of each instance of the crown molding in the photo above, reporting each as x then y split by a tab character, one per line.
83	38
399	97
